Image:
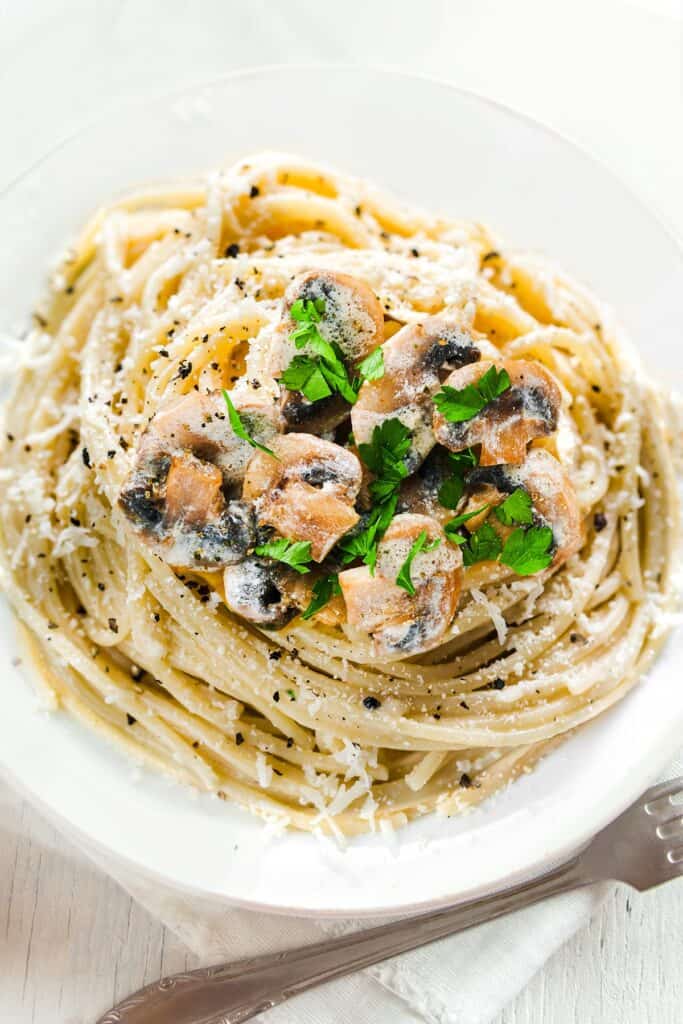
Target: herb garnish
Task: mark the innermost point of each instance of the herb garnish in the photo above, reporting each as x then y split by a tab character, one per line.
451	490
483	545
322	372
528	551
372	367
515	509
459	404
451	527
324	590
293	553
385	456
326	358
239	428
420	544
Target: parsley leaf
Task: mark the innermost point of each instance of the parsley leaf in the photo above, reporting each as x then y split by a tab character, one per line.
363	545
493	384
452	524
459	404
462	460
239	428
304	374
327	369
483	545
372	367
292	553
516	508
420	544
384	455
528	551
451	492
324	590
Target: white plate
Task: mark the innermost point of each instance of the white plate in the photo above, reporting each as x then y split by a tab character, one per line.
446	150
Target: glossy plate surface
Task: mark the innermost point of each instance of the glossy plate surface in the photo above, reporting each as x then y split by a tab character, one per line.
448	151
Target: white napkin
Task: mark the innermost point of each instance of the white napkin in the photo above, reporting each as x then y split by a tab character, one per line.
466	979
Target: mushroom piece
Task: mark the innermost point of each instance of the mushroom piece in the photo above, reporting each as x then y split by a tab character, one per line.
552	496
198	422
306	491
188	463
529	408
416	360
265	592
402	624
351	318
175	504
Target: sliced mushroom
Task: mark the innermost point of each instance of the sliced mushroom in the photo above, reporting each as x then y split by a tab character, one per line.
416	359
529	408
552	496
352	319
265	592
198	422
401	623
307	492
188	463
176	505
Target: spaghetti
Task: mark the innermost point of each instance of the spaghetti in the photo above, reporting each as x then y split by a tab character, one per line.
181	288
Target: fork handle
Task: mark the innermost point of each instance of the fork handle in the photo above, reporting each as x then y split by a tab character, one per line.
234	992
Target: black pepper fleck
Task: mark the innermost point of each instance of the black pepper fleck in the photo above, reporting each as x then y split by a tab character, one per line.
371	703
599	521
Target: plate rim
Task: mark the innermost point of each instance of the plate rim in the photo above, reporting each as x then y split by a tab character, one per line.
628	793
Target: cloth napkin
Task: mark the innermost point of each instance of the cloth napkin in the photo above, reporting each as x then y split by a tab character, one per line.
466	979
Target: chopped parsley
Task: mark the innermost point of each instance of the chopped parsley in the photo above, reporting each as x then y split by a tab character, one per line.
516	509
324	590
296	554
482	546
372	367
420	544
459	404
322	372
325	357
385	456
239	428
453	524
451	490
304	374
528	551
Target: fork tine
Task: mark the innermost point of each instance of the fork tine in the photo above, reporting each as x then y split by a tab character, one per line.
671	829
657	800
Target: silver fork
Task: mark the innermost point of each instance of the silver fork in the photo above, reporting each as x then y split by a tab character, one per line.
643	848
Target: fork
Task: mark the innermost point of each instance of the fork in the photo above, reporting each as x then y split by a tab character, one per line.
643	847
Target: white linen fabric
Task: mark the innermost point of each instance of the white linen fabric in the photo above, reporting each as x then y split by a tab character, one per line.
465	979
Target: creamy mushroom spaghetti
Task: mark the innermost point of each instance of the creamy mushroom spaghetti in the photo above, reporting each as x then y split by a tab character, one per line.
339	510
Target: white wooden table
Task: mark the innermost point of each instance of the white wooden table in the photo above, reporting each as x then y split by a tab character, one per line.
608	74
